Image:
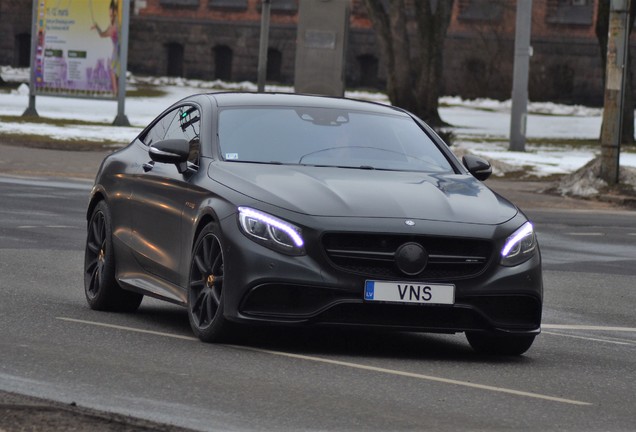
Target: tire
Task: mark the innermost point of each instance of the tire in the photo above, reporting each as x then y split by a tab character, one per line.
498	344
206	288
100	286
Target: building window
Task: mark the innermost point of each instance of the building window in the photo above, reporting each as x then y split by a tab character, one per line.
179	3
22	56
368	65
571	12
228	4
174	59
223	63
282	6
274	64
480	10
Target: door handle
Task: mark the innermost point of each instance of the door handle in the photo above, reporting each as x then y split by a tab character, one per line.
148	166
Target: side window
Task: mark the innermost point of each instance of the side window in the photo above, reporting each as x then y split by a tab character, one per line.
158	131
186	124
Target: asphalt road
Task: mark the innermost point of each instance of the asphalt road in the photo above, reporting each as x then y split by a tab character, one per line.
579	375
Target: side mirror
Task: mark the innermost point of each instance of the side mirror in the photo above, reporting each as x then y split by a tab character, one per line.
171	151
478	167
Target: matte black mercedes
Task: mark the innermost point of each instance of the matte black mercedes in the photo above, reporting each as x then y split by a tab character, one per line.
290	209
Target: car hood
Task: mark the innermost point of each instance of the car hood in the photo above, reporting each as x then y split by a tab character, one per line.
343	192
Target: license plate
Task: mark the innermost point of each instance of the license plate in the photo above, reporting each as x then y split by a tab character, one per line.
409	292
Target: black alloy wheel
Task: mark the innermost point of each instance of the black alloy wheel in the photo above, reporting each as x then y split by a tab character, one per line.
101	289
499	344
206	288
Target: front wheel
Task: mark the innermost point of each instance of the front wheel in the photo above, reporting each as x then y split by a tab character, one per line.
100	286
499	344
206	288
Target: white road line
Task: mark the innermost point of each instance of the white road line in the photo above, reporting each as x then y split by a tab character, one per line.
132	329
589	338
350	365
416	375
587	327
584	234
45	226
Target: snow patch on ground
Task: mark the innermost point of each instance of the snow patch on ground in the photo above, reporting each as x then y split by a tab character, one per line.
583	182
586	182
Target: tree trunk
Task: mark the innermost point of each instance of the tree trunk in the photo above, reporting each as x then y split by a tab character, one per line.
414	59
602	27
402	93
432	28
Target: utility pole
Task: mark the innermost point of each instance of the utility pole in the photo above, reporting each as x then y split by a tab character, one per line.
615	73
519	111
262	53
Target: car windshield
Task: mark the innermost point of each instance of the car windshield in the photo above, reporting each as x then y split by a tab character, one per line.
327	137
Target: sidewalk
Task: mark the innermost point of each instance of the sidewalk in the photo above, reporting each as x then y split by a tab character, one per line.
20	413
35	162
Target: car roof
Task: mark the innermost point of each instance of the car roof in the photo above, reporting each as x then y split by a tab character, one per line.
235	99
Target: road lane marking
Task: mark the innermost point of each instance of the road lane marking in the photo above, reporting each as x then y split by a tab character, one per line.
132	329
349	365
587	327
583	234
414	375
45	226
617	342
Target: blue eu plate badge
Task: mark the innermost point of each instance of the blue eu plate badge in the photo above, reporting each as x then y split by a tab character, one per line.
369	290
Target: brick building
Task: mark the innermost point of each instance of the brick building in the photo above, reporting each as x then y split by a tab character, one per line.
219	39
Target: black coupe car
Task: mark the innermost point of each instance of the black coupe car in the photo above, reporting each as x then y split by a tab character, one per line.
291	209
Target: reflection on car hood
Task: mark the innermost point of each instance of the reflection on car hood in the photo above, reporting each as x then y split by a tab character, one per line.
330	191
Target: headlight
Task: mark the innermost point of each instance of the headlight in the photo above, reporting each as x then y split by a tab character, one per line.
271	232
520	246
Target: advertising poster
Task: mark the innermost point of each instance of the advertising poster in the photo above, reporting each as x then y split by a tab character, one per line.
78	48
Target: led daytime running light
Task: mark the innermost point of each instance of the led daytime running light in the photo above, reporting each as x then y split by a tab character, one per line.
298	241
523	232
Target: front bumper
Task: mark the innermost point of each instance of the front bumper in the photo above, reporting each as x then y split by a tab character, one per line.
263	286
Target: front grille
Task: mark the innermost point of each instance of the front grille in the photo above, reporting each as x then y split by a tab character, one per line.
373	255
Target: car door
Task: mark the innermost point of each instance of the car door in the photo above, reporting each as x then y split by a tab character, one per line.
160	194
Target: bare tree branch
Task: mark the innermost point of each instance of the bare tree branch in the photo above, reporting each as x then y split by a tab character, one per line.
411	36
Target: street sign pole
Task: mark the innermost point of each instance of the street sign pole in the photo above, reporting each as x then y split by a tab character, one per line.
31	111
121	119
